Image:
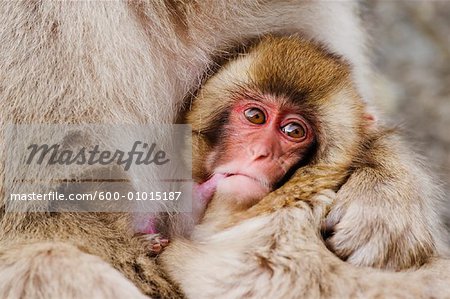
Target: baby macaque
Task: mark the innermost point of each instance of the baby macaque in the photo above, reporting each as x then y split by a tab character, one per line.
289	104
252	145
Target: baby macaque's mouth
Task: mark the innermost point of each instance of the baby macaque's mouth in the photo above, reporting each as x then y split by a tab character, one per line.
227	175
238	173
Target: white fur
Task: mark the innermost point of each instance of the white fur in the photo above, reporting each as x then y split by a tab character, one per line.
126	62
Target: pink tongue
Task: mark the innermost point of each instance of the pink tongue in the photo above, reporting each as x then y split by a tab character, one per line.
206	190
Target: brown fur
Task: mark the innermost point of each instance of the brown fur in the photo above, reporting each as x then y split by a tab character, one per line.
284	67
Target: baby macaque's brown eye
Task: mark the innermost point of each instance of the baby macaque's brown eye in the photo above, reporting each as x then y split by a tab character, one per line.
255	116
294	130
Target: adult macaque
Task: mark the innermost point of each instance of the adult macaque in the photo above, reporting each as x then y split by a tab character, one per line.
122	62
289	102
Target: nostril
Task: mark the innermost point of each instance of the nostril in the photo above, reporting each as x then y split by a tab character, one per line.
259	153
261	156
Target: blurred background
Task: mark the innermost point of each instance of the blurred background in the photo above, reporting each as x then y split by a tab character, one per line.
411	41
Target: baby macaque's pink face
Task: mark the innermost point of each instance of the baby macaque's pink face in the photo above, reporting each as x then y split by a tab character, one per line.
264	137
262	140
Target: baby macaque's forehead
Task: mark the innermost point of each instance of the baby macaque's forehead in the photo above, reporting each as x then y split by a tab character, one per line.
295	67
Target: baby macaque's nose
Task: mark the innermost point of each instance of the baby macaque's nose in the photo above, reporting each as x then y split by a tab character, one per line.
260	151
